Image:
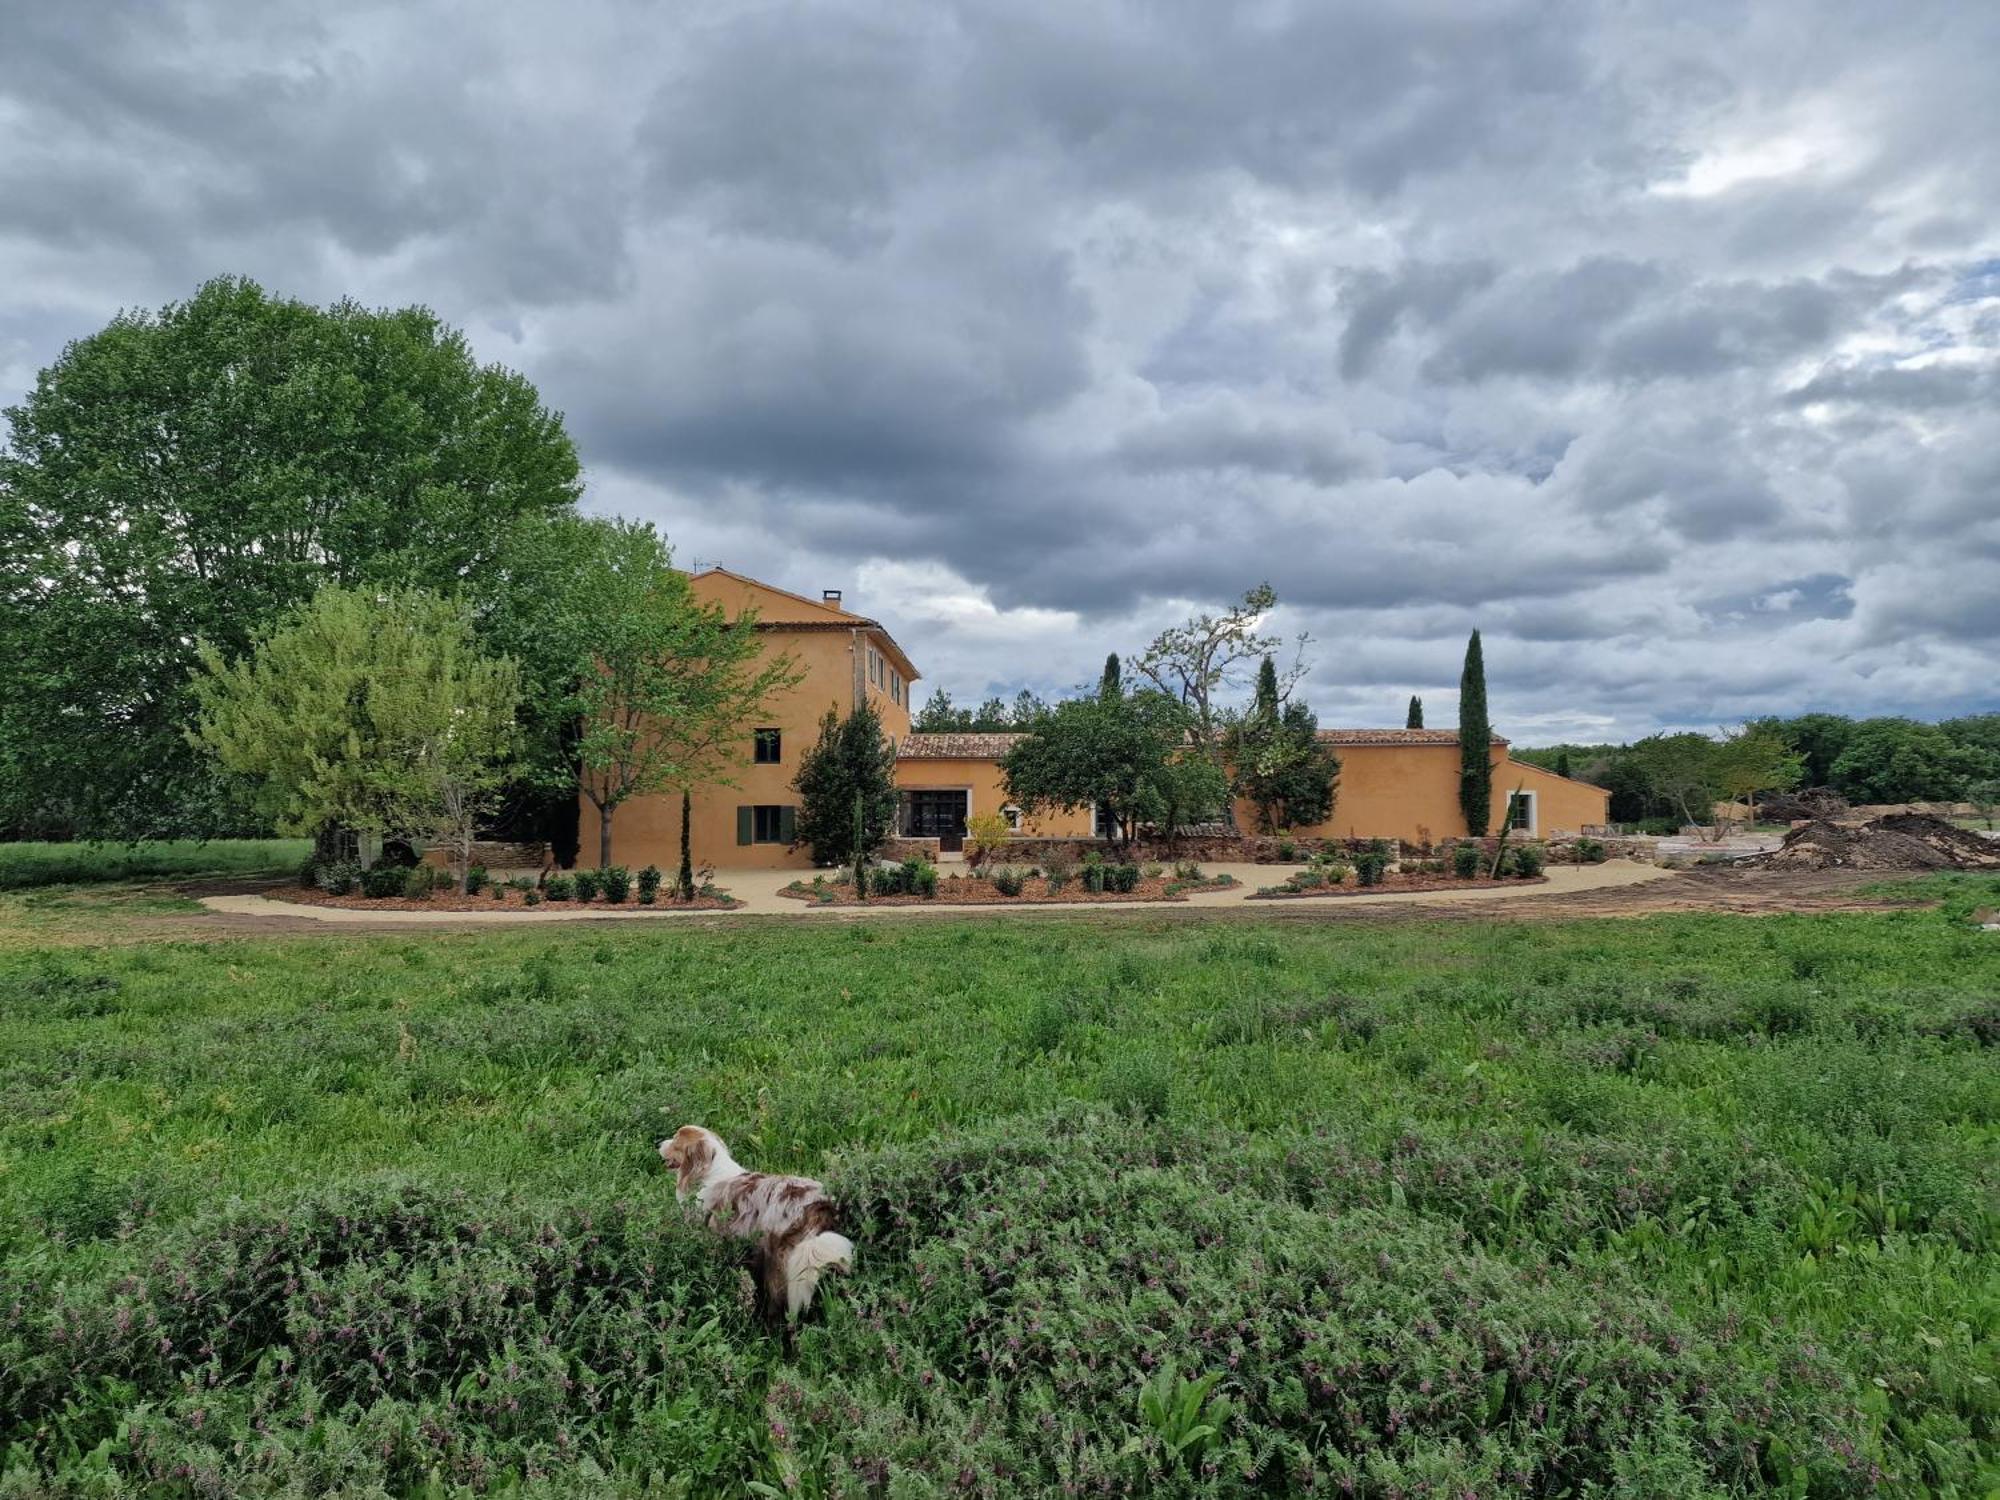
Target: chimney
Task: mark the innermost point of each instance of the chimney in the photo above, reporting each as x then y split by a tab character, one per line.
830	598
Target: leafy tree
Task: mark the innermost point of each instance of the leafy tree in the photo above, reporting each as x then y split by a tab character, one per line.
940	715
1562	763
1756	758
1683	771
366	710
1196	662
1114	753
1026	712
847	788
1475	743
194	473
1976	732
1819	739
1281	766
1110	685
1415	719
672	686
1984	795
1898	760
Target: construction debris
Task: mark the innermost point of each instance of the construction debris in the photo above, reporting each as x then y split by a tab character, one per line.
1900	841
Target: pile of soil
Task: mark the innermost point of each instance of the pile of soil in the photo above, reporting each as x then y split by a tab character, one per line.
1900	841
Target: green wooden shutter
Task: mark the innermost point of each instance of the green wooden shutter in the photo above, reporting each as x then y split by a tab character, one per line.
743	829
788	825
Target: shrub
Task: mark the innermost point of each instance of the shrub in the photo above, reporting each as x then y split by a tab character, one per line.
1336	871
475	879
1187	869
649	885
309	871
1528	861
1125	878
587	881
1151	871
1059	863
986	834
1590	851
1370	865
533	897
521	883
887	880
338	877
498	892
1287	851
925	881
384	882
1465	861
1093	875
1307	880
1007	881
616	883
558	888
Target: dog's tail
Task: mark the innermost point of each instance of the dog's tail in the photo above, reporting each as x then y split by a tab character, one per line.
807	1261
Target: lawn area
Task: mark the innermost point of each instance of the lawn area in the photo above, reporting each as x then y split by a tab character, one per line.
1691	1205
25	865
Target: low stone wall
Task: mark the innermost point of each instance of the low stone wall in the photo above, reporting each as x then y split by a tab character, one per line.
497	856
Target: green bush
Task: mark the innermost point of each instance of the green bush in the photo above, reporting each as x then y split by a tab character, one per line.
1008	881
1307	880
1124	878
887	880
1590	851
1187	869
1465	861
475	879
1528	861
925	881
499	892
558	887
1287	851
384	882
1370	865
339	877
309	871
616	883
649	885
587	881
534	898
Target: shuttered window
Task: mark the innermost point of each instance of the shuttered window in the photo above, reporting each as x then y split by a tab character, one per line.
766	823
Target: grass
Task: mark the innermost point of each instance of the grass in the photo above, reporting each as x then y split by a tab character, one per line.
1692	1205
27	865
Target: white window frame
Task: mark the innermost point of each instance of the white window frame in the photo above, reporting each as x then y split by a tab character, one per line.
1013	816
1534	826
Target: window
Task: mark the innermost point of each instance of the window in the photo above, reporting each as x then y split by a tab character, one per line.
766	825
1013	816
767	747
1521	812
895	685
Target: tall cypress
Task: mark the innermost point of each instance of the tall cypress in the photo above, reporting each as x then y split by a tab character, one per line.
1111	684
1267	691
1416	718
1562	763
1475	743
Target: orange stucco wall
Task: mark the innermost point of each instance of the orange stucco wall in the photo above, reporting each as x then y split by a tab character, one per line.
647	830
983	780
1411	792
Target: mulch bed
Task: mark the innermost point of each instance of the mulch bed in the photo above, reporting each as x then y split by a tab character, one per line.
1393	884
1035	892
511	900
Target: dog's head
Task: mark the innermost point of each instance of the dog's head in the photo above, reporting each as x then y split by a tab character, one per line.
690	1151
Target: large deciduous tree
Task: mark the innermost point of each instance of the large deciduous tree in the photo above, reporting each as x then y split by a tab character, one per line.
1899	760
847	788
1683	771
1197	662
364	709
1756	758
668	688
1128	754
193	473
1475	742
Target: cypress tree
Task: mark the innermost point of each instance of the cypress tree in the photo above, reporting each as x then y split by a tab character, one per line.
1267	690
1562	763
684	882
1111	684
1475	743
1416	718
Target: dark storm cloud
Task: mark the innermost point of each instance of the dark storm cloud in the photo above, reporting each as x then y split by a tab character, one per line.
1655	340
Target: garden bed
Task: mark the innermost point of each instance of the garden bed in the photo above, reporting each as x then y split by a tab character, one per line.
507	899
1395	885
969	891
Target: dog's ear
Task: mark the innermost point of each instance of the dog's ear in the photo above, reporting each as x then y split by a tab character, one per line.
689	1154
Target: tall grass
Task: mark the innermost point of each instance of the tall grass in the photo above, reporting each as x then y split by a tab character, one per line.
25	865
1692	1205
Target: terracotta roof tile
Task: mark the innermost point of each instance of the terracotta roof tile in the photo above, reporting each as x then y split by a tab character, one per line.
957	746
1394	737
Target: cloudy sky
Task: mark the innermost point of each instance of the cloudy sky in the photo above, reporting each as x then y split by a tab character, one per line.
1659	340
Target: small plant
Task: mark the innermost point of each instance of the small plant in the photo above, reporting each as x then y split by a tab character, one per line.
1007	880
1465	861
475	879
1590	851
1182	1413
1336	871
309	872
649	884
1528	861
1151	871
521	883
1370	865
384	882
586	882
1187	869
1287	851
1307	880
616	883
533	897
925	881
497	892
1093	874
887	880
1123	878
558	888
986	834
339	877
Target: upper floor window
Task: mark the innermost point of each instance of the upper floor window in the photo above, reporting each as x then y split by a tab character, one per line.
767	747
895	685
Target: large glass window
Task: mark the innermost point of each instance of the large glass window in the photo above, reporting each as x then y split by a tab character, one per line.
767	747
767	825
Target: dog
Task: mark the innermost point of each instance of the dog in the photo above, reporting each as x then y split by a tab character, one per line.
791	1219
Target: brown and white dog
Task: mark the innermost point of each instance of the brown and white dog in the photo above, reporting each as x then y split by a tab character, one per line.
790	1218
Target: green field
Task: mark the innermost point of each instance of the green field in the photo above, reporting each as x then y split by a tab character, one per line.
25	865
1684	1206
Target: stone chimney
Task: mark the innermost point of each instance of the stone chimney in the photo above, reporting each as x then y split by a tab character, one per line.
830	598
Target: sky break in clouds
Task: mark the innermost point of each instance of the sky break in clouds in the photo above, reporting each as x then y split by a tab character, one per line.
1659	341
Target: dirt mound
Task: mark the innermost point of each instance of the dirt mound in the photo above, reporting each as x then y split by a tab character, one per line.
1901	841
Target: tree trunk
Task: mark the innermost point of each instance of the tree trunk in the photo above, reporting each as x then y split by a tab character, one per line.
604	835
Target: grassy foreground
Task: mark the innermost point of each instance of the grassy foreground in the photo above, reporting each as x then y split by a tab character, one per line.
1692	1206
25	865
